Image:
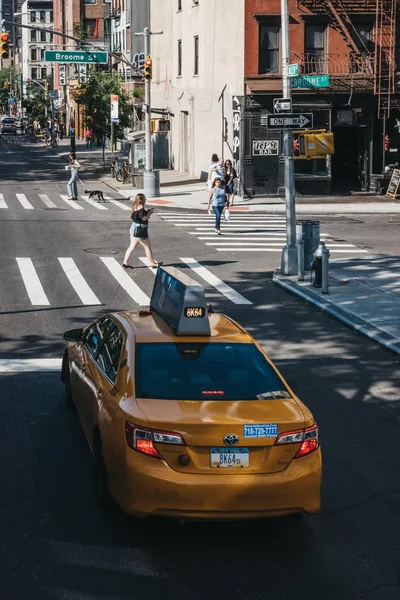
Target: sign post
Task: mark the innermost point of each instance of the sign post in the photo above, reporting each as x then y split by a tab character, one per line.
114	119
289	252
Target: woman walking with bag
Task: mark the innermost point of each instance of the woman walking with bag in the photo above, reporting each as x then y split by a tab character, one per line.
218	200
139	231
72	187
230	176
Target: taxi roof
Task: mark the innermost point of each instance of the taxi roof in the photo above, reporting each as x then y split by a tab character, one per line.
149	326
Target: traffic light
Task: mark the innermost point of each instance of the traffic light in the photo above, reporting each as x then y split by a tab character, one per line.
47	86
313	144
160	125
6	84
5	45
148	68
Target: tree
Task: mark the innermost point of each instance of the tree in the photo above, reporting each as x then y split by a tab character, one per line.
6	76
35	104
95	96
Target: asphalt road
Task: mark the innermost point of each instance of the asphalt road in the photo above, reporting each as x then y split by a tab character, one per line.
56	544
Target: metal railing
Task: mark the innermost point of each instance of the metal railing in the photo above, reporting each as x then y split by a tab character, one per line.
335	64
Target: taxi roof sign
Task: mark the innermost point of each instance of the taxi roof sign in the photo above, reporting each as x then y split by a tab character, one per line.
181	301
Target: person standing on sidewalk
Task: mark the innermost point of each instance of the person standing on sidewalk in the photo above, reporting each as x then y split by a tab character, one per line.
89	138
72	186
217	199
139	232
230	175
62	129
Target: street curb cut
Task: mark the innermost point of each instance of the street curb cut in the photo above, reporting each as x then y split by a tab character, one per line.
353	322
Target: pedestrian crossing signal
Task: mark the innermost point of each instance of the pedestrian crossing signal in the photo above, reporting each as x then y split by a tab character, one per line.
148	68
5	45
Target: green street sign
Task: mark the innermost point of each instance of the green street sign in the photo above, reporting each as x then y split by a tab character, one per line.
75	56
311	81
293	70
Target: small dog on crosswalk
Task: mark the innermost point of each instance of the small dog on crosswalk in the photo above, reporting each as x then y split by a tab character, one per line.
93	193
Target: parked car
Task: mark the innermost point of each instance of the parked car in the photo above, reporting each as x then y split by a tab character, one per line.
8	125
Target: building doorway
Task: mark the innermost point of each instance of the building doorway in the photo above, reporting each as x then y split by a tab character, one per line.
184	145
350	160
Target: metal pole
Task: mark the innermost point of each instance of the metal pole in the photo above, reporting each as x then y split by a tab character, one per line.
325	271
147	100
112	142
289	252
300	260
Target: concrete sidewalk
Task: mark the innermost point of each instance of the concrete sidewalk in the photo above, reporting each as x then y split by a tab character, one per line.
364	294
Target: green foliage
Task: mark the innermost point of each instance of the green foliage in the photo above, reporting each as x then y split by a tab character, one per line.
35	103
95	95
7	74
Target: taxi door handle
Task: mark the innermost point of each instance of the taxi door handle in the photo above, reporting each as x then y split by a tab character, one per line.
99	392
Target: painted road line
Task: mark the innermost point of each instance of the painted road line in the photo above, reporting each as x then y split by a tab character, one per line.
29	365
2	202
231	221
78	282
117	203
276	234
221	242
213	280
265	249
32	283
46	200
146	262
24	201
94	203
119	273
71	203
239	228
232	218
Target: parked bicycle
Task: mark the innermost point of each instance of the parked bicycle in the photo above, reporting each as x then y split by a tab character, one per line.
122	172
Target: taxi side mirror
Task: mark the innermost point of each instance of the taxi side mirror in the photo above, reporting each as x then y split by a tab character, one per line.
73	335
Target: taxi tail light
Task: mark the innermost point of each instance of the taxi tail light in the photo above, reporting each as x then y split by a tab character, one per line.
143	440
308	437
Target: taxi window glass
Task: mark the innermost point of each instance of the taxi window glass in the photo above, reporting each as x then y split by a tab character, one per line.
95	335
205	371
108	358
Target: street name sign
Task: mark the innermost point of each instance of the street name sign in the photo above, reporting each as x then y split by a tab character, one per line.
311	81
53	94
282	105
293	70
75	56
301	121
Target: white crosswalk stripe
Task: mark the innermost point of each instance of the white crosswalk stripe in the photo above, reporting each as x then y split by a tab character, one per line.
2	202
78	282
71	203
24	201
251	232
117	203
118	272
217	283
94	203
32	283
44	198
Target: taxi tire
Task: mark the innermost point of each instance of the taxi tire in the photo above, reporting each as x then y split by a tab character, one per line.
103	498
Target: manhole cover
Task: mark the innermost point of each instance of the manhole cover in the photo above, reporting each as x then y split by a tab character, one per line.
101	251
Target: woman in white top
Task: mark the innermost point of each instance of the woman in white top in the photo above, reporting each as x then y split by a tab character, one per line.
212	170
72	186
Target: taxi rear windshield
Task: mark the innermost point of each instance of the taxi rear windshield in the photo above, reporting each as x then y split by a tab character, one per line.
202	371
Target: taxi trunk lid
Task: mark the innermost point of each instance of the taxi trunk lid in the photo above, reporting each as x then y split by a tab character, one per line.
204	425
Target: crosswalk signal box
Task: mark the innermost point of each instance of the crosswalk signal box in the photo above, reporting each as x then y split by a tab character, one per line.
313	144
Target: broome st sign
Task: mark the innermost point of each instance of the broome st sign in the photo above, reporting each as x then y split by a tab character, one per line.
75	56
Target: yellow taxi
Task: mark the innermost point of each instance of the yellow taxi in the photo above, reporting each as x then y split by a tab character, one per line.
185	414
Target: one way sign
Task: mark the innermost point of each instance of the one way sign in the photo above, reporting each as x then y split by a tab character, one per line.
301	121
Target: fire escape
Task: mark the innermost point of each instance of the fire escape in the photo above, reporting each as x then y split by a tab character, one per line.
368	66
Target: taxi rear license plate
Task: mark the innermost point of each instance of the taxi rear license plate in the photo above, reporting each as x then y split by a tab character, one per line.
233	458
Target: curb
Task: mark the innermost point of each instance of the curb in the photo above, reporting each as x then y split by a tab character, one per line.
352	321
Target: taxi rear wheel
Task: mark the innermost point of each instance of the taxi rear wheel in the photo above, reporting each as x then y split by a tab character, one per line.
103	497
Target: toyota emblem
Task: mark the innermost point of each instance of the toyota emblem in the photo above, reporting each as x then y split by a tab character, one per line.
231	439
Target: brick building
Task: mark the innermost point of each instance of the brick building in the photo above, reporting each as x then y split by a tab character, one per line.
348	46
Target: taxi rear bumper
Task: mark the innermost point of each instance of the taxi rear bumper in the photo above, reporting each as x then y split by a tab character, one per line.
149	486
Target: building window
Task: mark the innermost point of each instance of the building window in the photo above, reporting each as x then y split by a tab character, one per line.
268	50
34	73
51	37
89	25
42	15
196	55
179	4
44	72
314	60
50	16
33	54
89	1
42	54
42	36
362	36
33	35
33	16
179	58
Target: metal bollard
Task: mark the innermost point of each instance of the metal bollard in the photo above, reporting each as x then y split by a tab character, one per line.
325	270
318	265
300	260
